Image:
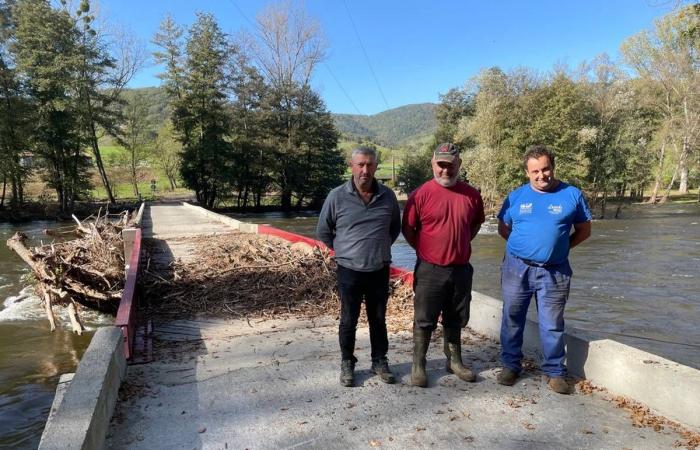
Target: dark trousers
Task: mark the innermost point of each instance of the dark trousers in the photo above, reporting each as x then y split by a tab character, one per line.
353	287
441	289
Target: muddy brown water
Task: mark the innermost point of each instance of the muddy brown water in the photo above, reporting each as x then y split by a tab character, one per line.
637	280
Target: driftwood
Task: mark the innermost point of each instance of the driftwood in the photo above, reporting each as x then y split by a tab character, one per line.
87	272
245	275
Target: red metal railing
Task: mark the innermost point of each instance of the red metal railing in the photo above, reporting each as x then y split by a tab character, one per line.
126	314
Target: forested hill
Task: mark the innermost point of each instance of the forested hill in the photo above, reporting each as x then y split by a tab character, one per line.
390	128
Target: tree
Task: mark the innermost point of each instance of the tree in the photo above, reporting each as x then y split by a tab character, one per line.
14	114
47	53
200	114
416	168
669	56
166	154
136	139
288	47
454	106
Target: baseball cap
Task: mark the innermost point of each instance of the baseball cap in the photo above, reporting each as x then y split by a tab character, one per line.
446	152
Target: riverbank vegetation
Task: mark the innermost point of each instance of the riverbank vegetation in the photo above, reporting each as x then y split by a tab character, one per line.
235	122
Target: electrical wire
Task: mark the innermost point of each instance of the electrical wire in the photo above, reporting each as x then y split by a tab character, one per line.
369	64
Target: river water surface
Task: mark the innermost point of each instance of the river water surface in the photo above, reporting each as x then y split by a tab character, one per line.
636	280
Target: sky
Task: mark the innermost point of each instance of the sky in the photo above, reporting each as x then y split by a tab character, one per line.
388	53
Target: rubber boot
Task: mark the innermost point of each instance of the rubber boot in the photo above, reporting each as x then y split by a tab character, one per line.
453	352
421	342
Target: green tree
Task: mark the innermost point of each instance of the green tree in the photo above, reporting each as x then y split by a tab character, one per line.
166	154
14	115
669	56
200	115
454	106
416	168
47	54
137	139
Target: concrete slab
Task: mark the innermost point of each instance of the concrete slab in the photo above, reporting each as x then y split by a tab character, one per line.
274	384
167	221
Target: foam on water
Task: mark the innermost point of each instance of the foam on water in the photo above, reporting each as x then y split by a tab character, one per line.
27	306
23	306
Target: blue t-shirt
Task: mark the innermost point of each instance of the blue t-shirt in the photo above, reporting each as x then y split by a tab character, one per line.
541	222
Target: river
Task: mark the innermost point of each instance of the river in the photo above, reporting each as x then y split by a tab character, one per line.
636	280
31	357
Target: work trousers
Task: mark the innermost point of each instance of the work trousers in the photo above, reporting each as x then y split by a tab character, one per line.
441	289
373	288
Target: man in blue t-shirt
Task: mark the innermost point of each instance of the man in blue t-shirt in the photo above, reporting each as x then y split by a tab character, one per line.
536	221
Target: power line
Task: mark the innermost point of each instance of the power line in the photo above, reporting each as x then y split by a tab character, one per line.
342	89
369	64
255	25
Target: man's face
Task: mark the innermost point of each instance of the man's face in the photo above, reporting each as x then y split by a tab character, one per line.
541	173
445	172
363	168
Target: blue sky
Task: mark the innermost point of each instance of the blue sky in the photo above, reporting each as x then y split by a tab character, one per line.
418	49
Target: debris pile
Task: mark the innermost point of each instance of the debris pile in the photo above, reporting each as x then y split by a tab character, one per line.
86	271
249	275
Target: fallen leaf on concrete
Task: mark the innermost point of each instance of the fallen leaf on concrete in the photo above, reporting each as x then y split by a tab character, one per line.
201	429
529	426
584	431
374	443
420	428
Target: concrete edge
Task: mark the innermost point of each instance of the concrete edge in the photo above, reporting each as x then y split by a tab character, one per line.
233	223
83	414
669	388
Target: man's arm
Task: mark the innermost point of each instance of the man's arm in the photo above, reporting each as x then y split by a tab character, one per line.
503	229
325	229
582	231
395	227
475	230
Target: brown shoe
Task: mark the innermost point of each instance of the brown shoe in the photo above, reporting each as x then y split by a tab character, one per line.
560	385
507	377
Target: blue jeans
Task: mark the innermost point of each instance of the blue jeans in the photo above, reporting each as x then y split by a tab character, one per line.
550	287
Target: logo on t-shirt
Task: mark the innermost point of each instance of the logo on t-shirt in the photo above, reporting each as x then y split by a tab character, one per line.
554	209
526	208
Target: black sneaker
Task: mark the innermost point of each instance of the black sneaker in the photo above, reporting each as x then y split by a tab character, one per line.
381	368
347	372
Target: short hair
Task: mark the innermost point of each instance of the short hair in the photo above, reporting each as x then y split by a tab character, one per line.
537	151
371	151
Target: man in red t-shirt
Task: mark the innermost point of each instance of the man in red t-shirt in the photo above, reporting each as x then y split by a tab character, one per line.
439	221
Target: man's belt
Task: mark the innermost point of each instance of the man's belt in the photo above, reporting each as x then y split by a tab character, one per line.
531	263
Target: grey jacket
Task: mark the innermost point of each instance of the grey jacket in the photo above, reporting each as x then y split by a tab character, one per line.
360	234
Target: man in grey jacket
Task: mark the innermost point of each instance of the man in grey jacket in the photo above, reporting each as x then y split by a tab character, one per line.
360	220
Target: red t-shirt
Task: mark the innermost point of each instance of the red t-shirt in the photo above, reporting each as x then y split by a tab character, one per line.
444	218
